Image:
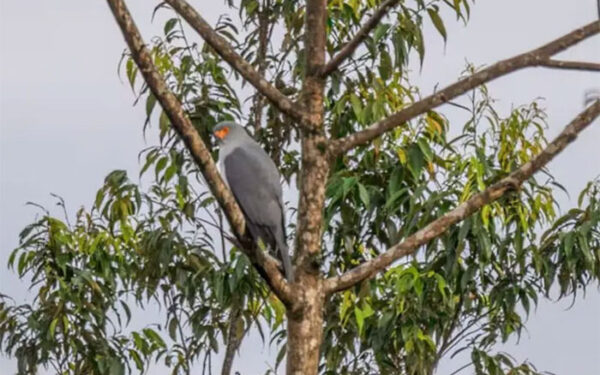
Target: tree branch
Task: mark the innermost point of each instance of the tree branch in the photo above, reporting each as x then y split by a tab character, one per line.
261	60
233	341
536	57
447	335
266	265
492	193
571	65
226	51
360	36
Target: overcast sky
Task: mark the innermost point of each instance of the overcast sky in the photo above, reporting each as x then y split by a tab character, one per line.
66	121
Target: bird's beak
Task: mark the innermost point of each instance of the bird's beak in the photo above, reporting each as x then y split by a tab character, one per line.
221	133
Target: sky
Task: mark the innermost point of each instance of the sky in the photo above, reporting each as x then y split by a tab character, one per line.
66	120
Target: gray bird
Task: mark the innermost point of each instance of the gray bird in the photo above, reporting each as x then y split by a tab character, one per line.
254	181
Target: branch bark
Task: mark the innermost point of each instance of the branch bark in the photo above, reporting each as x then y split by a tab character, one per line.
261	60
437	227
360	36
265	264
536	57
233	341
226	51
572	65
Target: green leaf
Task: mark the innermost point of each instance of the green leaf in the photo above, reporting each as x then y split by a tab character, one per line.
360	319
127	311
348	184
569	240
163	124
585	249
169	25
131	71
385	68
356	106
52	329
154	337
116	367
160	165
150	103
437	22
380	31
137	359
173	328
425	149
416	160
364	195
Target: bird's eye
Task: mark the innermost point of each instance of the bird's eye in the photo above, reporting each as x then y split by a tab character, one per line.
222	133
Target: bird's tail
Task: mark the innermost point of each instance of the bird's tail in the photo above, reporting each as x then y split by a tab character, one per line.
287	263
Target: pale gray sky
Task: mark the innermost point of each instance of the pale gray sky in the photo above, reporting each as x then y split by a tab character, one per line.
66	121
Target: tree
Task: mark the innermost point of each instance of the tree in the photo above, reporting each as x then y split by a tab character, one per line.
409	244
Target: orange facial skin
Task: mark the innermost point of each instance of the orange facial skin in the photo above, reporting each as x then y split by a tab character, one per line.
222	133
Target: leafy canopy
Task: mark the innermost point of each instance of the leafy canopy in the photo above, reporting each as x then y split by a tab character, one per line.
164	243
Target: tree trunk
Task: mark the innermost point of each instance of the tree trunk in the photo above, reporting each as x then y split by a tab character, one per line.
305	316
305	329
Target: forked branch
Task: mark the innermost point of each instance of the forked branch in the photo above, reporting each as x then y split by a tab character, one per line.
537	57
266	265
439	226
243	67
360	36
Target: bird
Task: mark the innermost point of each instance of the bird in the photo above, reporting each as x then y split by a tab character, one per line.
254	180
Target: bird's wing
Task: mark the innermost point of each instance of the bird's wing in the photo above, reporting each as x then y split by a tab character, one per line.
254	181
250	180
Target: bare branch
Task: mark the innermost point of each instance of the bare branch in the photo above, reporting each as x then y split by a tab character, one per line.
571	65
492	193
536	57
226	51
233	341
446	336
360	36
266	265
264	28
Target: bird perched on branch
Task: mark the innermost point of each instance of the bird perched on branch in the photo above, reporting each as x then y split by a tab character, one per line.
255	183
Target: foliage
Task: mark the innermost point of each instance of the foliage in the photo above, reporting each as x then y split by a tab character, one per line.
165	244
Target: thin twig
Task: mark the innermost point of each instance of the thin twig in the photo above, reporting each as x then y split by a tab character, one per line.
571	65
360	36
461	368
447	335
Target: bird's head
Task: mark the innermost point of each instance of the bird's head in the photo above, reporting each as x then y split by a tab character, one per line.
226	132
